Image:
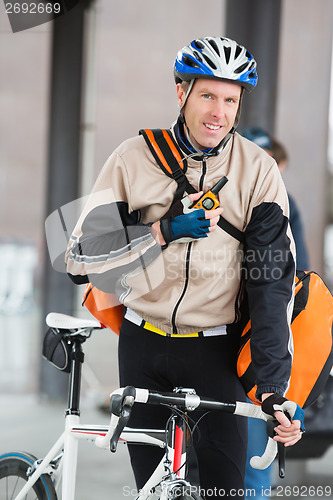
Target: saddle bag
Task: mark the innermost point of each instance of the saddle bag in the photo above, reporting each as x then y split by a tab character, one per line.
57	350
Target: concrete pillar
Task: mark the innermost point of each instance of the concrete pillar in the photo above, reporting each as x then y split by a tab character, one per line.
63	166
304	84
256	25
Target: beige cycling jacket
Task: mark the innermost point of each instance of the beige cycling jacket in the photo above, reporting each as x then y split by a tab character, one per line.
188	286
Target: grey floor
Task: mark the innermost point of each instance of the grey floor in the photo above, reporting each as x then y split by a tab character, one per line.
31	423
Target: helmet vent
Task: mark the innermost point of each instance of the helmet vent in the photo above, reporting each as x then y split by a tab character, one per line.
197	55
227	52
238	51
241	68
214	45
209	61
199	45
190	62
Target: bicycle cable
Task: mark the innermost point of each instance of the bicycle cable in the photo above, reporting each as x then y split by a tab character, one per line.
185	417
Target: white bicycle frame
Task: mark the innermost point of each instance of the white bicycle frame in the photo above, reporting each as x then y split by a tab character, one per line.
67	446
61	460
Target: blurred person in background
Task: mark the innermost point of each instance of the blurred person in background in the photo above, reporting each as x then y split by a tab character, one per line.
275	149
280	155
261	480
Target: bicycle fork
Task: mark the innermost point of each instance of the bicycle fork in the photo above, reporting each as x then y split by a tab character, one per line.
175	484
170	472
179	444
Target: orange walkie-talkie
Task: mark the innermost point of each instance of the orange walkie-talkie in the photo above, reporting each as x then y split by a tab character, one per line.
210	200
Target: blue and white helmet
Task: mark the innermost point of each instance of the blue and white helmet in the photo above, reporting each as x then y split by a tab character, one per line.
217	58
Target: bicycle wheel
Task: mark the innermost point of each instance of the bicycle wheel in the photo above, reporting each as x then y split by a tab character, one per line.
186	493
188	496
14	474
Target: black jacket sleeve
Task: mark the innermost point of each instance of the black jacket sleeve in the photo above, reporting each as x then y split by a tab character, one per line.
270	272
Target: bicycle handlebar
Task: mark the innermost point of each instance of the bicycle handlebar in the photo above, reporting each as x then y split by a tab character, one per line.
122	401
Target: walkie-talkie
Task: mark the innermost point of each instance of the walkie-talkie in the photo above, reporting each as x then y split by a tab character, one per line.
209	200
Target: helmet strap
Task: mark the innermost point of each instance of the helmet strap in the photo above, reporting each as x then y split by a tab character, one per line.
188	137
236	122
191	83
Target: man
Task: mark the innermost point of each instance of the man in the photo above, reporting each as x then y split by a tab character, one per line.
179	276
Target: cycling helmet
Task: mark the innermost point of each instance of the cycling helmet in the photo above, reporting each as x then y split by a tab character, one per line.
217	58
258	136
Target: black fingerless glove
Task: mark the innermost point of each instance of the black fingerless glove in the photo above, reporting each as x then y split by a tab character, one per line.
274	402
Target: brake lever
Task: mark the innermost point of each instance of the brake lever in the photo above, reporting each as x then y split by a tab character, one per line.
281	449
282	459
124	418
121	406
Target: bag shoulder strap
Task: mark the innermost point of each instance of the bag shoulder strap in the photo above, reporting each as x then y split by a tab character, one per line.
165	151
169	158
230	229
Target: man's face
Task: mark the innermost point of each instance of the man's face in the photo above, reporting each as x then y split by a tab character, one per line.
210	110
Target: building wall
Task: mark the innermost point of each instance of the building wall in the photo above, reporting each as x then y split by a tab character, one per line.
24	63
302	111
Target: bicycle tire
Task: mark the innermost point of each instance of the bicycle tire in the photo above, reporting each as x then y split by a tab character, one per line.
189	496
187	493
13	476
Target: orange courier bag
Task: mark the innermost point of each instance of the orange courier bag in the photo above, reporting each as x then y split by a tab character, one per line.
104	306
311	327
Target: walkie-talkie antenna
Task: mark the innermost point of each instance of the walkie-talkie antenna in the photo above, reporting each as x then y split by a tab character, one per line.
219	185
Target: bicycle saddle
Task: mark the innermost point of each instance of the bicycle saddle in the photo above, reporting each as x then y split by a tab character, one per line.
66	322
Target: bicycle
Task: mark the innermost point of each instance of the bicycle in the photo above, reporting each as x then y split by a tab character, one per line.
23	476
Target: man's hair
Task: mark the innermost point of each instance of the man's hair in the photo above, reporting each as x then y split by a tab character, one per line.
185	85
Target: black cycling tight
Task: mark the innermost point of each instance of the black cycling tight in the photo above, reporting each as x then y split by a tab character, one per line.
207	364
